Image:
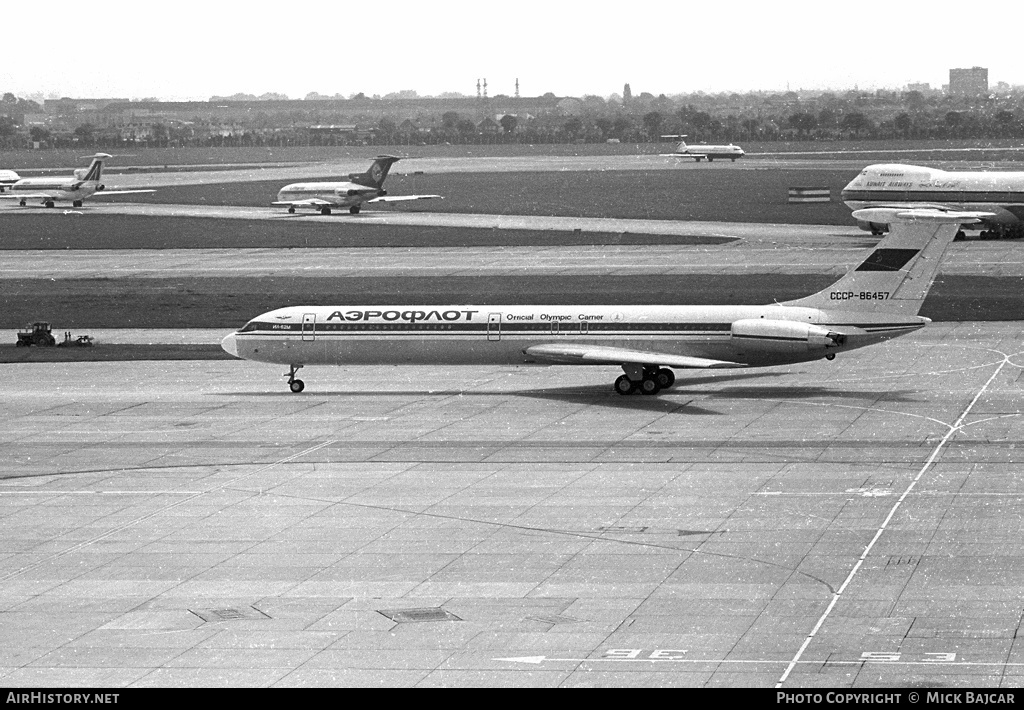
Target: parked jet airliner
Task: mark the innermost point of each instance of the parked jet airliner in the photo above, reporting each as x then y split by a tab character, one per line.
877	300
360	188
84	183
700	152
912	186
8	178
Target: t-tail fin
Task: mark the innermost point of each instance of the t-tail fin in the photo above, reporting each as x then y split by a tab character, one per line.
374	177
95	170
896	276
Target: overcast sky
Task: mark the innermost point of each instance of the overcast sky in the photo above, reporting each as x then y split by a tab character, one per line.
188	50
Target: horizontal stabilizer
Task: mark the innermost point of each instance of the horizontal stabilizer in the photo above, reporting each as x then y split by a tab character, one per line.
403	198
888	215
600	355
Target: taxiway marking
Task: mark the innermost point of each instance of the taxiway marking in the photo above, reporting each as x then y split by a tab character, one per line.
953	429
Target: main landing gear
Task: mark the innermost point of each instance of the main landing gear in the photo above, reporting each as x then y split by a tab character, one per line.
354	209
295	385
645	380
325	210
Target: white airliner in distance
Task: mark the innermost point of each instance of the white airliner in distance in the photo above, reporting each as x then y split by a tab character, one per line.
701	151
8	178
913	186
360	188
877	300
48	190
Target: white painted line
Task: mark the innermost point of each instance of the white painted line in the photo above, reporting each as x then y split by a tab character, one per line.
535	660
956	426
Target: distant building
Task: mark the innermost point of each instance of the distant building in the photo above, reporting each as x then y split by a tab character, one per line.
924	87
968	82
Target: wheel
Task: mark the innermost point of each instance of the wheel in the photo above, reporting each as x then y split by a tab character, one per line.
291	210
21	202
76	203
665	377
296	386
649	386
325	210
48	203
710	159
830	356
624	385
354	209
21	344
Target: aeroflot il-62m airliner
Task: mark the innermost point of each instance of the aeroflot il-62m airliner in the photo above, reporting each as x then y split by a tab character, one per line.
877	300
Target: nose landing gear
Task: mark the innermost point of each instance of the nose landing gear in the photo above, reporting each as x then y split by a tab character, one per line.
295	385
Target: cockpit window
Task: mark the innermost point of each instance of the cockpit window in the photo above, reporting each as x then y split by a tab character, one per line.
249	327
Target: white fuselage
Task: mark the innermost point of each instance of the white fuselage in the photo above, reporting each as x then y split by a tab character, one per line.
341	194
709	151
56	189
462	335
895	185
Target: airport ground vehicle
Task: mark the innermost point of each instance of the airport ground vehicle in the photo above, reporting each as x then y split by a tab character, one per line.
38	334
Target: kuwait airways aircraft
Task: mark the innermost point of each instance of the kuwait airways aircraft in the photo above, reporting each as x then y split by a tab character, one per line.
84	183
700	152
360	188
877	300
912	186
7	178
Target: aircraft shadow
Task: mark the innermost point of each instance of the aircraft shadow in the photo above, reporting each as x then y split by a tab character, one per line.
602	394
595	394
813	393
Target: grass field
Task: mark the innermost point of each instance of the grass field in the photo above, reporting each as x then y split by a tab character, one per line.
79	304
133	155
719	195
77	231
758	195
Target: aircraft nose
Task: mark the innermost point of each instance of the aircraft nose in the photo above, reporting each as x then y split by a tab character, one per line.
230	344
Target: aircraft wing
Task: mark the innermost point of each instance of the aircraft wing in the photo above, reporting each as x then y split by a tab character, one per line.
119	192
402	198
929	213
568	354
26	195
312	201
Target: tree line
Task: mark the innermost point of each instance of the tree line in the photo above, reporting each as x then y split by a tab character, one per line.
702	118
